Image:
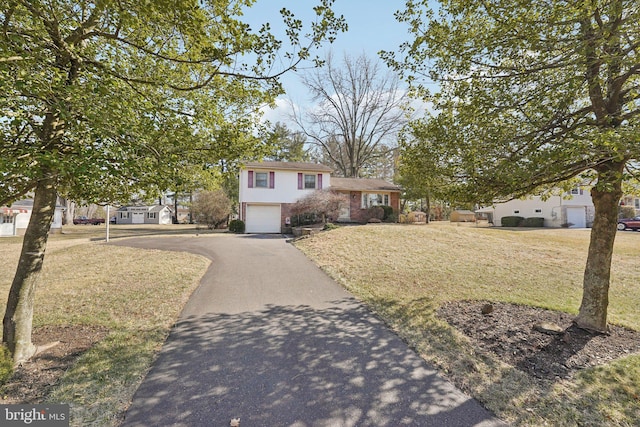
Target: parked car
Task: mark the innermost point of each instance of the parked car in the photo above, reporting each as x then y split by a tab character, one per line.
83	220
629	223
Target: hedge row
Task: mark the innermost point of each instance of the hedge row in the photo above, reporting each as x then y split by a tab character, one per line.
518	221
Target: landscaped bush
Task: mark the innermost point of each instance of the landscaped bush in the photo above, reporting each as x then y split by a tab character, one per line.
236	226
316	207
511	221
532	222
388	214
211	208
375	212
416	216
302	219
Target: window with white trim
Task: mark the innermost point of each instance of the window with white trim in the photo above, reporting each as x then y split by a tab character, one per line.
124	215
6	219
636	203
262	180
152	215
309	182
374	199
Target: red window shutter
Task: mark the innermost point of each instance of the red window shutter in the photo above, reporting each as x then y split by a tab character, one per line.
272	180
300	181
250	179
319	181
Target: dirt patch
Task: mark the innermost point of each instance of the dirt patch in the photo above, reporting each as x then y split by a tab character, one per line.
32	381
508	332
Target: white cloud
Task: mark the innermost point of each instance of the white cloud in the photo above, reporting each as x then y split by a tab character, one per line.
281	113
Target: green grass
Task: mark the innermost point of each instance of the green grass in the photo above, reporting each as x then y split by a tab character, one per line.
405	273
136	294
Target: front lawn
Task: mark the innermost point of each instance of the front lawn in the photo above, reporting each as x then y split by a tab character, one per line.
407	273
114	304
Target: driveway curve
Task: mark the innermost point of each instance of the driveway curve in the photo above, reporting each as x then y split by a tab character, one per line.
270	339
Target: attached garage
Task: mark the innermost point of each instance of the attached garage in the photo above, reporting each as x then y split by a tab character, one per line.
262	219
576	217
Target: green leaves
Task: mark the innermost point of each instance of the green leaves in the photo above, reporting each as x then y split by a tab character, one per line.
114	97
531	93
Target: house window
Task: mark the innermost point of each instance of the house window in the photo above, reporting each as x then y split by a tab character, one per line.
577	191
124	215
6	219
151	215
636	203
262	180
310	182
374	199
538	211
516	211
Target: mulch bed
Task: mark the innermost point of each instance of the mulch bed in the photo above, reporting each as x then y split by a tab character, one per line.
508	332
32	381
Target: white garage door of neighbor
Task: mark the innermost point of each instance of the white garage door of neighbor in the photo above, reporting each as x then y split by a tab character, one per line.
263	219
577	217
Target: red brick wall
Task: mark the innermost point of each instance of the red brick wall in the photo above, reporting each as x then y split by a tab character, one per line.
395	202
285	211
355	202
362	215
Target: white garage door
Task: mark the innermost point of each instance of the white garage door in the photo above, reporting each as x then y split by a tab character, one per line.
577	217
263	219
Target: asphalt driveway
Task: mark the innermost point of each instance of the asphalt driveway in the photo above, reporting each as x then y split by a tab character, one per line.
269	338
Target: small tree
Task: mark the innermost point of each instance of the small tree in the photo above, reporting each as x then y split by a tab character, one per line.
212	208
532	94
326	204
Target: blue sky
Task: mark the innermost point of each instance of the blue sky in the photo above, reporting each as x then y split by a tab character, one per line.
372	27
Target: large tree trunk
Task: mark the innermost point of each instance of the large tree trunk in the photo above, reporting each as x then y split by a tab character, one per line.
595	295
18	318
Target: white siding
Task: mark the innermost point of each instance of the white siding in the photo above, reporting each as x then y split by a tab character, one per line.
553	209
8	228
285	189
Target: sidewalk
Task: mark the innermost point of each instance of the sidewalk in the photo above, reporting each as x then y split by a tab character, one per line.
270	339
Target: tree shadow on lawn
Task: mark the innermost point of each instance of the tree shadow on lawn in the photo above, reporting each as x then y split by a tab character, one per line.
296	366
513	368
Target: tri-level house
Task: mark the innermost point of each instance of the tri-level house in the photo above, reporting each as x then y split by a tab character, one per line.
268	189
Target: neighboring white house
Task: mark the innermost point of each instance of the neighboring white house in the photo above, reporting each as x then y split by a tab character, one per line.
15	219
158	214
574	209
